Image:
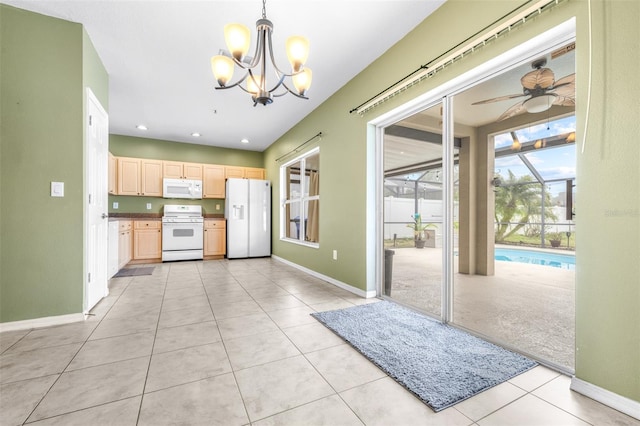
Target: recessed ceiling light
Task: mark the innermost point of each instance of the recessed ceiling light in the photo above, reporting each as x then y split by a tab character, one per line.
141	127
195	134
245	140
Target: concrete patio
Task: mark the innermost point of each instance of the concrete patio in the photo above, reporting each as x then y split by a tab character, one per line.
528	307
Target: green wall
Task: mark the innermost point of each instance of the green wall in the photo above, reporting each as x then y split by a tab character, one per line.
128	146
608	204
608	208
131	204
44	66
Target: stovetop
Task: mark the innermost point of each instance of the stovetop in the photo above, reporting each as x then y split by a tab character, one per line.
182	211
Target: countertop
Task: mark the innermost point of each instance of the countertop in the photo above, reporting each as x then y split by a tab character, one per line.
153	216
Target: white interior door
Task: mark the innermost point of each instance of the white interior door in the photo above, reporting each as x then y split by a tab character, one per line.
96	196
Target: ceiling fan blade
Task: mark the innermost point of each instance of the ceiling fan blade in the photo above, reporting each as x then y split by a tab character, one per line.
498	99
516	109
567	79
565	101
565	91
541	78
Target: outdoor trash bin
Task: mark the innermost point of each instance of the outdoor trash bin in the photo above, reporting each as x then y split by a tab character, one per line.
388	270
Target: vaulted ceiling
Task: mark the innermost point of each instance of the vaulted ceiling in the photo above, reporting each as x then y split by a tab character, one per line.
157	56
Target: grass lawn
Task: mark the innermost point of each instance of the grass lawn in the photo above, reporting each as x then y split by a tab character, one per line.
535	241
519	240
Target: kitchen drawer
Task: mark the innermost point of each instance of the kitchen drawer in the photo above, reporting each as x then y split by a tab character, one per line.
215	224
147	224
124	225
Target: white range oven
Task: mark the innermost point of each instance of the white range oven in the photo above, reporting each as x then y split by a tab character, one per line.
182	233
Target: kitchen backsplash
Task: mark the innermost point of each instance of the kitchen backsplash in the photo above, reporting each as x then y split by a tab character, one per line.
128	204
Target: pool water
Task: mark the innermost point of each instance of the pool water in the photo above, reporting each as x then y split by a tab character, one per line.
563	261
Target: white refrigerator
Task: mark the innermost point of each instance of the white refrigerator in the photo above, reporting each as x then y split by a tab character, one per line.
248	213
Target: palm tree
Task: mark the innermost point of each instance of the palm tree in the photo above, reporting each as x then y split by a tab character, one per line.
518	200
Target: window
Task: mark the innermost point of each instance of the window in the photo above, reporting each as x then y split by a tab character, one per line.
300	206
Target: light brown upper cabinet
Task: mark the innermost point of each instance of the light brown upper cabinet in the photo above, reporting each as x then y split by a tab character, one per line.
233	172
244	172
213	181
128	176
254	173
143	177
139	177
151	178
180	170
113	178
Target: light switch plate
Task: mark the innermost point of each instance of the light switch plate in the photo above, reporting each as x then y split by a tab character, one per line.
115	205
148	206
57	189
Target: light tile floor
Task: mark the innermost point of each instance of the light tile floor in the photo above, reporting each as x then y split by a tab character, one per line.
232	343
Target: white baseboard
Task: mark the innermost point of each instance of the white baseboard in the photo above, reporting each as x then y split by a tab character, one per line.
41	322
608	398
344	286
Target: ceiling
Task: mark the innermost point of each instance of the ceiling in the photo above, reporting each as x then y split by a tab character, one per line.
157	56
401	152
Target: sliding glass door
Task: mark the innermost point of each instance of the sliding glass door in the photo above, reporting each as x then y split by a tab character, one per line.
414	210
478	207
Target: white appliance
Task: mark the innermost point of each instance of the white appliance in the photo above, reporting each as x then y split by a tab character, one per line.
182	188
182	233
248	213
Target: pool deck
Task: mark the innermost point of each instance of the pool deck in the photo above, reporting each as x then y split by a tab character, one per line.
525	306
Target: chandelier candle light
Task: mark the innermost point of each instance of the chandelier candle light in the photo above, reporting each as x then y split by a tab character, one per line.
237	38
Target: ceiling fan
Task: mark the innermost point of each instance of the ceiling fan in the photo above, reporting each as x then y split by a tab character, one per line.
542	91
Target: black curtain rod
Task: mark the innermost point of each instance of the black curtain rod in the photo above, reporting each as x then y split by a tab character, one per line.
299	146
426	66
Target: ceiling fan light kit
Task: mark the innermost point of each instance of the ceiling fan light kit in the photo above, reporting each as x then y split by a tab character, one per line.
238	40
539	103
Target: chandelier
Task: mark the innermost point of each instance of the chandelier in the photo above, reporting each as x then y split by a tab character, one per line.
254	80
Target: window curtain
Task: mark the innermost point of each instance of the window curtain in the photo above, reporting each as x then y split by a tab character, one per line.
314	208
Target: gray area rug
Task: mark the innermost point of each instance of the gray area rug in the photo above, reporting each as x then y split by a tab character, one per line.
440	364
134	272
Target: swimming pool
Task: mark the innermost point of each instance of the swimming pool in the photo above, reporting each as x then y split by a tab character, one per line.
545	258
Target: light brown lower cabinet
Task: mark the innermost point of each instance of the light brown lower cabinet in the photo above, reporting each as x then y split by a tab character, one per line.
147	239
124	243
215	238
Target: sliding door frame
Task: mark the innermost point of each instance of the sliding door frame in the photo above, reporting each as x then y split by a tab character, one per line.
526	52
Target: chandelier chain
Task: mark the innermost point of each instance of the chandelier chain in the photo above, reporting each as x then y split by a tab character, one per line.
264	9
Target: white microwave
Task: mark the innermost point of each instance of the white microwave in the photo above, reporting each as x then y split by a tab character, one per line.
182	188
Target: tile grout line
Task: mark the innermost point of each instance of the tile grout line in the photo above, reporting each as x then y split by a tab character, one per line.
290	341
224	346
155	334
70	361
304	355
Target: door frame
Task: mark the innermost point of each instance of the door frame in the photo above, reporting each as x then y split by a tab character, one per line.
545	42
